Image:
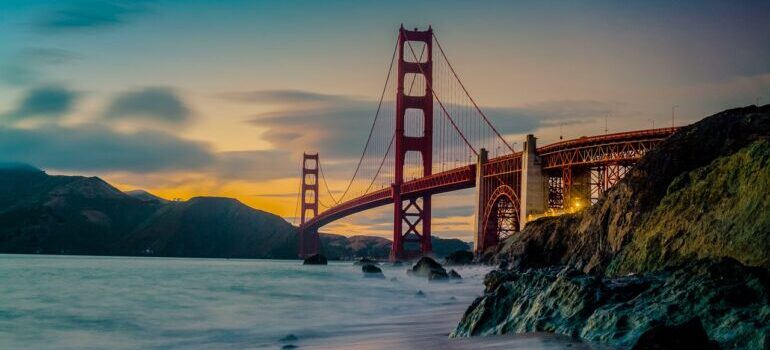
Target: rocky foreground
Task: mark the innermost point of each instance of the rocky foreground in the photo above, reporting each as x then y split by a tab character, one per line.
678	251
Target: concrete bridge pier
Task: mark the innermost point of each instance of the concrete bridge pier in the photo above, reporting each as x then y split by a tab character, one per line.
480	199
533	182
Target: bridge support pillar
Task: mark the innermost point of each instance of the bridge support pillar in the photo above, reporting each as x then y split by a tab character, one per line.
480	201
309	242
533	186
410	213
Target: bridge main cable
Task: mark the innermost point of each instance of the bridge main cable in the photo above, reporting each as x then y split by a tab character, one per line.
451	68
374	123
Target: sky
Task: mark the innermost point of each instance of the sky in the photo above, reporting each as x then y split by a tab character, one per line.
221	98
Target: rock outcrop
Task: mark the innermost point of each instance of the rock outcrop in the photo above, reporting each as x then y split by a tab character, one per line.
680	246
731	300
698	194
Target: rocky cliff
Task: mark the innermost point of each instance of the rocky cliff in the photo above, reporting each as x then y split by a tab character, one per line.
700	193
682	239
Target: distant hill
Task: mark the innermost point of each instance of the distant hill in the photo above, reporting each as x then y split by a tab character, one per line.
337	246
212	227
41	213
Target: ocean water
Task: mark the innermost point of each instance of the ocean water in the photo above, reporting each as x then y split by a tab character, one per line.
81	302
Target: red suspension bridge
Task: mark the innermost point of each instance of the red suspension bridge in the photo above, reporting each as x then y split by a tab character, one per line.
440	141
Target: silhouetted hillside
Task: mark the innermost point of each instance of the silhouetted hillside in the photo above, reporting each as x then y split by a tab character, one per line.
64	214
212	227
40	213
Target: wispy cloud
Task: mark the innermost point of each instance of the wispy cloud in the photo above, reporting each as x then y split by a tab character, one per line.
91	15
255	165
24	67
288	97
159	104
94	148
49	102
337	125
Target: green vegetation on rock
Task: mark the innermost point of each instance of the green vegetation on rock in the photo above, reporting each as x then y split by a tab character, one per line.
721	209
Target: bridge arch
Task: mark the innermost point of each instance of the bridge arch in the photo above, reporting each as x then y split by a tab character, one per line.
501	216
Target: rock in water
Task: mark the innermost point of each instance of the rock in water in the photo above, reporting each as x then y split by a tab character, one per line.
460	257
370	270
315	259
419	294
425	266
454	275
438	276
289	338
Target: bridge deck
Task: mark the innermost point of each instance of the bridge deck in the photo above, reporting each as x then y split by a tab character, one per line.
584	151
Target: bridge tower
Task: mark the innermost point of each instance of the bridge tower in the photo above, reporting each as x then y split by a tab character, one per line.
308	237
412	215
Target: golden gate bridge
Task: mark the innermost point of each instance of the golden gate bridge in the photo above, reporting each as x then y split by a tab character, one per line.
440	141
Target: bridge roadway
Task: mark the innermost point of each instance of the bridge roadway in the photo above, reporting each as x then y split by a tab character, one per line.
611	149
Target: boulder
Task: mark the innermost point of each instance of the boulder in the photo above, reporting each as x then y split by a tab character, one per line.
419	294
460	257
371	270
315	259
438	276
425	266
454	275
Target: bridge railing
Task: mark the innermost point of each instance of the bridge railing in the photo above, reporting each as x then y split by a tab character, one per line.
591	140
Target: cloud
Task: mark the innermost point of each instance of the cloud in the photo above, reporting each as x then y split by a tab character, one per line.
44	102
95	148
255	165
23	68
548	113
152	103
91	15
337	125
290	97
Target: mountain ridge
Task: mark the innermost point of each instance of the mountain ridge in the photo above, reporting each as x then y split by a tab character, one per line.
58	214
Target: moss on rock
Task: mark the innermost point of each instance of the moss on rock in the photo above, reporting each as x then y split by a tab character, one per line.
718	210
